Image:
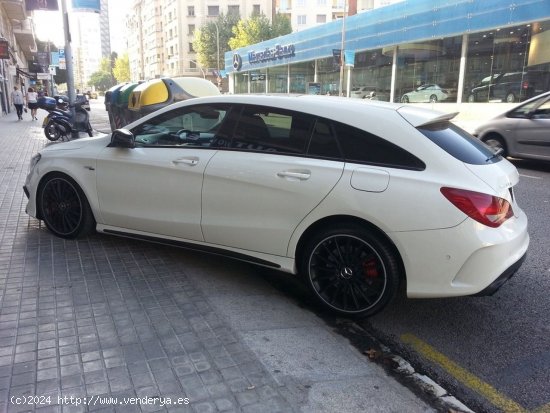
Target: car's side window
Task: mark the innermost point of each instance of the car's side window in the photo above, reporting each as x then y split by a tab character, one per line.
323	142
265	129
363	147
543	111
193	126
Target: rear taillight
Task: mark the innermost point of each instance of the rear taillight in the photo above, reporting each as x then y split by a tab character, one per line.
487	209
525	85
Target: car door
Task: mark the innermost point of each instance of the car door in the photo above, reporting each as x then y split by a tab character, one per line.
532	134
156	186
258	190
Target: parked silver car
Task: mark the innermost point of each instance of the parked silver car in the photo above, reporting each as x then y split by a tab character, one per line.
522	132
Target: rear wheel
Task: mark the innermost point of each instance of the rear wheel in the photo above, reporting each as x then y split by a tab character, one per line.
472	98
405	99
64	207
496	142
510	97
433	98
350	270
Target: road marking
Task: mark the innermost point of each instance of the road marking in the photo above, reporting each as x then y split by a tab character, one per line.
465	377
530	176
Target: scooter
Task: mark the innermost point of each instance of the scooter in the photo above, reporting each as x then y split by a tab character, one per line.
57	124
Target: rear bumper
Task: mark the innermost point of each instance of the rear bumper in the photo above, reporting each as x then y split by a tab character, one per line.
505	276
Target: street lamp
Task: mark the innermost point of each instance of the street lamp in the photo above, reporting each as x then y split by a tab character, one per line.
217	46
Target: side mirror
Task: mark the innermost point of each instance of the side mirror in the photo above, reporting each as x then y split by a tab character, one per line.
122	138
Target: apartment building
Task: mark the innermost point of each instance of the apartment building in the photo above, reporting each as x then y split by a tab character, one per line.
304	14
161	32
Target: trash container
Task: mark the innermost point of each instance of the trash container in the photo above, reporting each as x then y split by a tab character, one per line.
158	93
126	116
111	98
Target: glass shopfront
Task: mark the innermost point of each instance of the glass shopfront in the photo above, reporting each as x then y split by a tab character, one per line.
371	76
509	64
502	65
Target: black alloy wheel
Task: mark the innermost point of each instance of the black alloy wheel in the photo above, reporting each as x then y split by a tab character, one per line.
64	208
351	271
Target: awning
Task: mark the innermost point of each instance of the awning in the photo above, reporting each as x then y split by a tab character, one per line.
23	73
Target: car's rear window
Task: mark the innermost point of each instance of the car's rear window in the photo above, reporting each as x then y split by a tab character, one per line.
459	143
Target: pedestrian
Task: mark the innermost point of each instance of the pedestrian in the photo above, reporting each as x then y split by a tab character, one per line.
18	101
32	102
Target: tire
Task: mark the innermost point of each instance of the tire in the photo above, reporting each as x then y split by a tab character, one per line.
51	131
510	97
496	142
433	99
405	99
64	207
350	270
472	98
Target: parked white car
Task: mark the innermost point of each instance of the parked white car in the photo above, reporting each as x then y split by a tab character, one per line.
425	94
355	196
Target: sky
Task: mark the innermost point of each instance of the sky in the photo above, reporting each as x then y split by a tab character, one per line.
49	25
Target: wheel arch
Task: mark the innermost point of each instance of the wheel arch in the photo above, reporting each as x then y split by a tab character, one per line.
75	180
336	220
497	135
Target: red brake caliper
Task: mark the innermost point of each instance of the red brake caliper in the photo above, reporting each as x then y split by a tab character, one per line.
369	268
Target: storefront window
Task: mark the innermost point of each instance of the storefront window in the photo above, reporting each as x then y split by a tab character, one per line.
278	79
300	75
371	76
509	64
328	75
258	81
428	71
241	82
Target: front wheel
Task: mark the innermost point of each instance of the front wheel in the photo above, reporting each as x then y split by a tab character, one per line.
52	131
496	143
64	207
433	99
510	97
405	99
351	270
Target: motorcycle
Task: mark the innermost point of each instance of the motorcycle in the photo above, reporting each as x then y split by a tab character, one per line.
58	124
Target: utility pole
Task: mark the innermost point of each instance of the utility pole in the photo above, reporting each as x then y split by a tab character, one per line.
69	65
340	91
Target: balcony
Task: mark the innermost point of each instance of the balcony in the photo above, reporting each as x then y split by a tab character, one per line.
15	9
24	34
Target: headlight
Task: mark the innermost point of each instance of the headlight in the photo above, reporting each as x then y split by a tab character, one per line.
34	160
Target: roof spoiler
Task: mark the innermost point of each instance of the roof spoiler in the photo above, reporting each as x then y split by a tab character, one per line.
437	119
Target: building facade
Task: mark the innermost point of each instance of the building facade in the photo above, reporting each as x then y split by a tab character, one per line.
414	50
304	14
162	33
19	45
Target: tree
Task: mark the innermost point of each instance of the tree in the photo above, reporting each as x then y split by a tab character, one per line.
101	80
121	71
205	42
258	28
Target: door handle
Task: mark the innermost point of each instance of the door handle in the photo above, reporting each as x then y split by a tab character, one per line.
294	175
191	161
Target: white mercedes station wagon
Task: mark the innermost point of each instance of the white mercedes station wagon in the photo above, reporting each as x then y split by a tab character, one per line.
355	196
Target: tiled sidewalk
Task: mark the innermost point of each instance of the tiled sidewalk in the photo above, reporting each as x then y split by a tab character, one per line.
104	317
107	320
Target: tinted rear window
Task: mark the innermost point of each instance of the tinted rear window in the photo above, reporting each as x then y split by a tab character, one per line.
459	143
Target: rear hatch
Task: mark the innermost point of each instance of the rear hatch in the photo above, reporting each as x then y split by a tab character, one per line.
499	174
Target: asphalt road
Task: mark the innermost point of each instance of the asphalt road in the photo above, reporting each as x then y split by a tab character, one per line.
492	353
